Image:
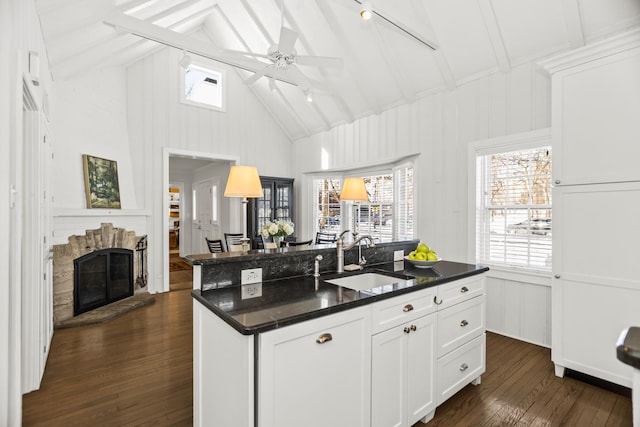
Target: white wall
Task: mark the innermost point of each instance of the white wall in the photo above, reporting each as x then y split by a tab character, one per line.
19	33
90	117
440	127
158	120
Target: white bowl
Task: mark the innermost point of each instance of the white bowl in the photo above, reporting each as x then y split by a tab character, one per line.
422	264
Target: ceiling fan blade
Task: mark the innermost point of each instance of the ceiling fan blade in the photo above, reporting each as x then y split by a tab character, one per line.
300	79
231	52
319	61
257	75
287	40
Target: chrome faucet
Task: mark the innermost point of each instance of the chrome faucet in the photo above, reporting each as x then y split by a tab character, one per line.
340	248
316	271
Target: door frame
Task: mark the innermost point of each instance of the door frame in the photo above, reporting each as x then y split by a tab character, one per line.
168	152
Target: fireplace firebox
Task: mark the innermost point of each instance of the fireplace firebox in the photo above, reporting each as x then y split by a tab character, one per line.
102	277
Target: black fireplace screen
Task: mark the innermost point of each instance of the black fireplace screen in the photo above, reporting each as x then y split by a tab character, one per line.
102	277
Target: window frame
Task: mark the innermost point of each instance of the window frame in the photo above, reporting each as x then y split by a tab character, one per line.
222	82
514	142
346	208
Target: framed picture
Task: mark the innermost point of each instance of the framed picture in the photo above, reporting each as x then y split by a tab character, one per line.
101	182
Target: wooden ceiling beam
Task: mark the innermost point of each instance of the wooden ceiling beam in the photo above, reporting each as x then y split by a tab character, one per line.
170	38
493	30
441	60
326	84
573	19
343	41
286	103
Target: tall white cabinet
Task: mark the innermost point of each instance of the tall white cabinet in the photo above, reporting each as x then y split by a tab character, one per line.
596	202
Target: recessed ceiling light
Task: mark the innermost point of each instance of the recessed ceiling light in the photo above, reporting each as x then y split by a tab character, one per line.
366	11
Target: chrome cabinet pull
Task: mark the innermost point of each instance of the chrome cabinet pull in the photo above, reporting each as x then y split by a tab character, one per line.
435	300
464	289
324	338
463	323
557	276
464	367
414	327
406	330
557	181
407	308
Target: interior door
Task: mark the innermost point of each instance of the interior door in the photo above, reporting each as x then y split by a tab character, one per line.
206	222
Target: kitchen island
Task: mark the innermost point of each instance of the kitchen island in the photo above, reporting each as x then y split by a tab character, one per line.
298	350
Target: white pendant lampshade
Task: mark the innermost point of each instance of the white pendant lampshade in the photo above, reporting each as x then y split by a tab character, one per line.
354	189
243	181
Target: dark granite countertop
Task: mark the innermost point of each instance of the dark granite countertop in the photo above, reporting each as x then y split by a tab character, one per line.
256	308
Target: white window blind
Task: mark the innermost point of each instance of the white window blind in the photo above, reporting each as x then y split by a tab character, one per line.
387	216
513	209
327	204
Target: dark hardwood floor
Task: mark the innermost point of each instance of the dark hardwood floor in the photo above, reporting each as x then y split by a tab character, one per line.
136	370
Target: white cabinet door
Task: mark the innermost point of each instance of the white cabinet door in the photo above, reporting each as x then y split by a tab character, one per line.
403	373
317	373
389	378
421	362
595	111
596	284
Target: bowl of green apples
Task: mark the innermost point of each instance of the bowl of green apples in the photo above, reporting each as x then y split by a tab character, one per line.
423	256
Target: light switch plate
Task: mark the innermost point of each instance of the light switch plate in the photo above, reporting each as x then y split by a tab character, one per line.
253	275
398	255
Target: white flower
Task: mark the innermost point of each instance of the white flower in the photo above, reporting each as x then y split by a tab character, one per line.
273	229
288	228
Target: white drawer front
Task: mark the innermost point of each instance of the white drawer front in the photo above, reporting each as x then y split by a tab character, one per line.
404	308
460	290
460	323
460	367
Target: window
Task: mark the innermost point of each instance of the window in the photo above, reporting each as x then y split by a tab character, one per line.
203	87
513	208
387	216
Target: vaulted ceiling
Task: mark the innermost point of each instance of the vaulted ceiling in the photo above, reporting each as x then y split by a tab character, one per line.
387	60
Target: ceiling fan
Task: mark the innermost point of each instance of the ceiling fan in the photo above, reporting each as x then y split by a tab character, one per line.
282	59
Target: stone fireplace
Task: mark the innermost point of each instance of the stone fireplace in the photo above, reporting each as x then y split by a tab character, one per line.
98	242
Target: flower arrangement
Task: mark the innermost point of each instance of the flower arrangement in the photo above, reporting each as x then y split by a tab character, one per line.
279	229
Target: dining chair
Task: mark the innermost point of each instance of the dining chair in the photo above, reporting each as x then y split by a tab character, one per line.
233	241
214	245
325	237
285	243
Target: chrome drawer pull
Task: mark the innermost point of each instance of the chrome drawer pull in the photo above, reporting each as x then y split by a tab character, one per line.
435	300
464	289
406	330
414	327
407	308
464	367
324	338
463	323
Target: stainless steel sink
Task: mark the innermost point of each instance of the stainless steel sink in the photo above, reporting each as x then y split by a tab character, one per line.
365	281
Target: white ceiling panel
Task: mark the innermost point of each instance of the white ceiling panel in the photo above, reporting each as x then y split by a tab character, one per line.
601	17
463	36
531	28
383	63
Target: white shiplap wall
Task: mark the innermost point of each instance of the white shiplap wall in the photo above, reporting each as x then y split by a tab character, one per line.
158	120
19	34
439	127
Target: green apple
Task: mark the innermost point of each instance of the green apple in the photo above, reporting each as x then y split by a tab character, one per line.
432	256
412	255
421	256
422	248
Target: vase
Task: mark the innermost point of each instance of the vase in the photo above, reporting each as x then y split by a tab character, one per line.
277	240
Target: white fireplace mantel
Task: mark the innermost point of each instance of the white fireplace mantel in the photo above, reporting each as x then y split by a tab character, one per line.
69	221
